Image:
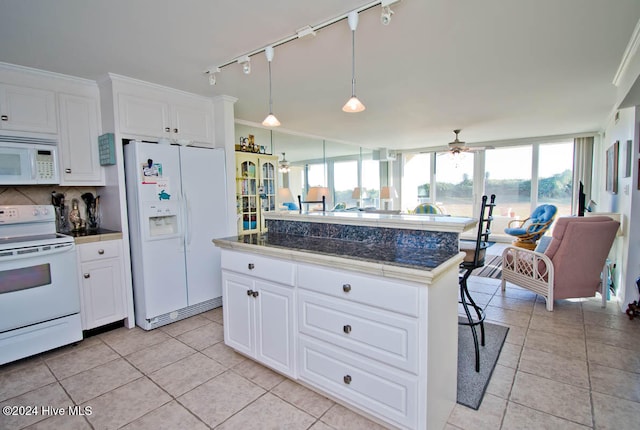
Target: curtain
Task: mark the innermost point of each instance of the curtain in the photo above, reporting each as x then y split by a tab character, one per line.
582	166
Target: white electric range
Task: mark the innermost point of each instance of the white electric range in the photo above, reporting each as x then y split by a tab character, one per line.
39	290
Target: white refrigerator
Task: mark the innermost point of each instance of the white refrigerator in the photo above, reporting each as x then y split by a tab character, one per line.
176	200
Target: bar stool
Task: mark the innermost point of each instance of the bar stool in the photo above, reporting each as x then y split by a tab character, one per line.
474	259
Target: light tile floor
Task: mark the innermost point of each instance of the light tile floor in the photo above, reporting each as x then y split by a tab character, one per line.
577	367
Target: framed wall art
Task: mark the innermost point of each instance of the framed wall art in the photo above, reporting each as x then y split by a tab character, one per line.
612	168
628	154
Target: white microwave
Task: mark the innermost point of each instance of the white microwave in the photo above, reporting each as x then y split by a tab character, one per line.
25	161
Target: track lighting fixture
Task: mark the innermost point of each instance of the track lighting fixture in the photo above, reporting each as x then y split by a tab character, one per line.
385	17
270	120
353	104
212	75
246	64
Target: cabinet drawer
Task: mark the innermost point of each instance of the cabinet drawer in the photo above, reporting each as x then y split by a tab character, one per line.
257	266
383	392
99	250
384	294
389	338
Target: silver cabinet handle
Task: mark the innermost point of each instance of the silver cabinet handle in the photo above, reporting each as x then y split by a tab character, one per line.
67	170
101	251
87	275
4	117
167	129
251	266
346	329
346	288
347	379
175	130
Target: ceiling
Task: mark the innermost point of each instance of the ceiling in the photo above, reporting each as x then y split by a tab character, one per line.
498	69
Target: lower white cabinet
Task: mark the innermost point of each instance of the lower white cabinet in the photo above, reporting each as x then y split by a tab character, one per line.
386	347
102	283
259	318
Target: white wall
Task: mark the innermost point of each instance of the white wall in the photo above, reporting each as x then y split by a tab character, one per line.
626	249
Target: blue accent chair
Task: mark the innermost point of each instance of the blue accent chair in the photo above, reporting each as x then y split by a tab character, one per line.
428	208
528	231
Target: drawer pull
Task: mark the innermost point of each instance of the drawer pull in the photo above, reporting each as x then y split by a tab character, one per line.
67	170
4	118
167	129
346	287
251	266
346	329
87	276
249	292
101	251
347	379
175	130
255	294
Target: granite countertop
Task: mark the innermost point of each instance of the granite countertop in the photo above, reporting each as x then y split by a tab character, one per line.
391	260
88	236
397	221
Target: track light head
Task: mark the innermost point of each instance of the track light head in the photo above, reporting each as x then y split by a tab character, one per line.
212	72
246	64
385	17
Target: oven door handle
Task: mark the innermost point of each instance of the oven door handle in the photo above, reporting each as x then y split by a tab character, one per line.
35	251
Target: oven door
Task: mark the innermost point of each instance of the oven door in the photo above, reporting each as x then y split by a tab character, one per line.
38	284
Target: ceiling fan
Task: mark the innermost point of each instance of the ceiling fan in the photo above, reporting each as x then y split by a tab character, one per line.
458	146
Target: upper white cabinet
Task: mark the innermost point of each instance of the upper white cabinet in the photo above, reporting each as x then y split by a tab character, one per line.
142	116
79	131
154	113
27	109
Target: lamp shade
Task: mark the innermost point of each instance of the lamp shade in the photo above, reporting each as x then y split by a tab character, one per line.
315	194
284	195
388	193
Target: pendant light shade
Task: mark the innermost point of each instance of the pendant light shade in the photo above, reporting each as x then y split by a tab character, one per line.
270	120
353	104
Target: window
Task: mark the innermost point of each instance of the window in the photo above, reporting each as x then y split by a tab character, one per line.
371	182
345	180
416	181
454	183
555	176
508	176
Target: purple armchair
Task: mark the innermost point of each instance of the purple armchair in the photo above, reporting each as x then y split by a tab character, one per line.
572	264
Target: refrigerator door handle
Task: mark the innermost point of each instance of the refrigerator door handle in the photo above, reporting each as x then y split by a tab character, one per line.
187	205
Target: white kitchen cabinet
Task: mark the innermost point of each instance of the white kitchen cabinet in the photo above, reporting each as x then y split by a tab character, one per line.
385	346
168	115
102	294
79	131
258	314
27	109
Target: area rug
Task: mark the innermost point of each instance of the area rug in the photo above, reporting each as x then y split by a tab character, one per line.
471	384
492	267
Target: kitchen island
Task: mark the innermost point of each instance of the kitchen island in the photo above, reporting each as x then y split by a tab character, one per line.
359	307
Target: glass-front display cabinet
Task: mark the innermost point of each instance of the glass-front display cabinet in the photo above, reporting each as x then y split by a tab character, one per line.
256	185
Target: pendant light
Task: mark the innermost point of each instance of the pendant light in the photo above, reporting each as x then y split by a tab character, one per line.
353	104
270	120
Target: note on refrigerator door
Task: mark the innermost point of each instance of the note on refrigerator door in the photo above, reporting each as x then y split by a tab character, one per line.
151	172
163	188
